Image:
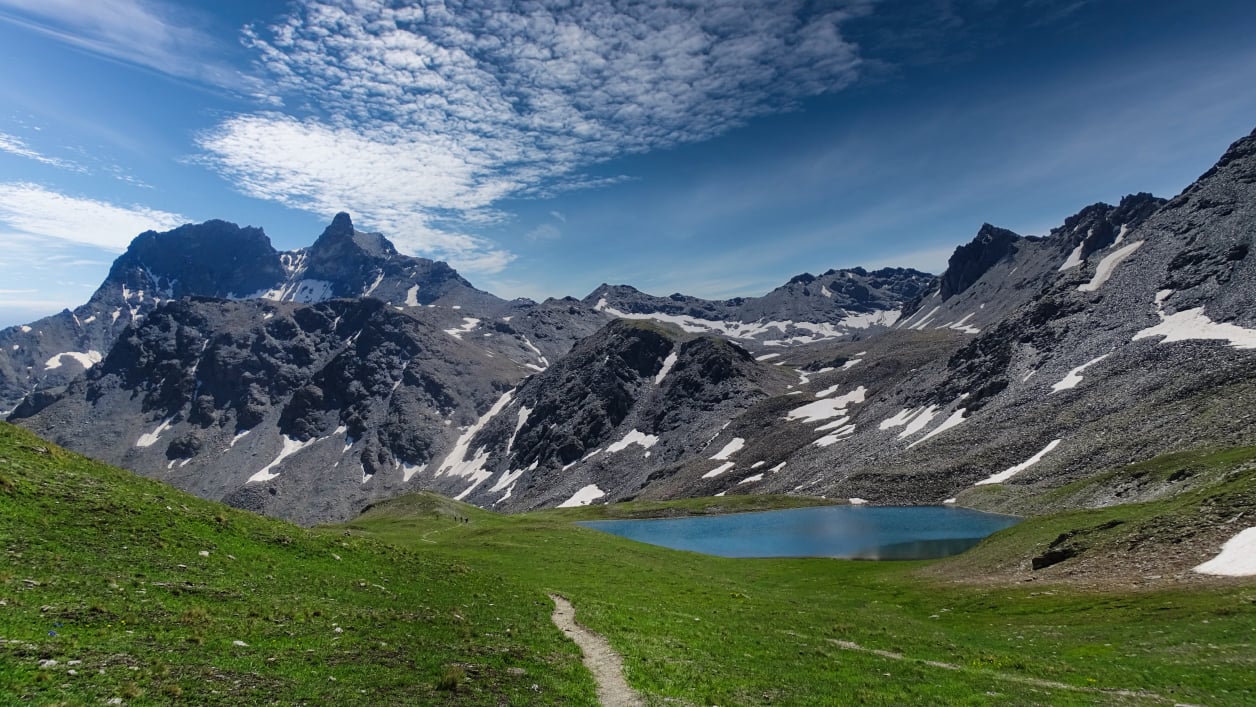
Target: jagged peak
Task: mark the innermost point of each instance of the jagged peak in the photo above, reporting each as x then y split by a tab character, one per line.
341	225
969	262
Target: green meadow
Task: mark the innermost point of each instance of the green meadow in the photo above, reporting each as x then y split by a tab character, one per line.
117	587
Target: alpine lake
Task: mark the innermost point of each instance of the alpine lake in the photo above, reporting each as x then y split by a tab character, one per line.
849	531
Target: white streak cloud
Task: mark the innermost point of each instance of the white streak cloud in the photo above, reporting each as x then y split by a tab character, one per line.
36	211
16	146
421	118
145	33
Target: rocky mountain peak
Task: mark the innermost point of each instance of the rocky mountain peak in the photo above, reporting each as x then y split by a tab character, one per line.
212	259
969	262
341	225
340	240
1099	225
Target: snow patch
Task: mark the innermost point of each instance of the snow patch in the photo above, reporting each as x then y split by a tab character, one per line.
524	412
667	367
456	462
150	438
924	322
372	287
305	291
766	357
1074	258
26	330
817	331
719	470
290	446
902	418
1074	377
955	418
857	501
839	422
468	323
751	479
830	440
507	481
1013	471
961	326
1236	559
828	391
1108	265
86	359
729	449
634	437
412	296
409	470
918	421
827	408
1193	324
540	356
583	497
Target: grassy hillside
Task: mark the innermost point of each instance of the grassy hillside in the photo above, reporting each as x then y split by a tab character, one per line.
140	592
114	586
1172	513
706	630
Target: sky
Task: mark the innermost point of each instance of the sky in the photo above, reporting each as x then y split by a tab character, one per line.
711	147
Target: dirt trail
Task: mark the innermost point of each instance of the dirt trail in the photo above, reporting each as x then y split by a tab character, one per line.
601	660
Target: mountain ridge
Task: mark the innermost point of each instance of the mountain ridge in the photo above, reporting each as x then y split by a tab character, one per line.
1027	364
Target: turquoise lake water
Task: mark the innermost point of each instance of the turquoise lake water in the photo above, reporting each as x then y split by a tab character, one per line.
852	532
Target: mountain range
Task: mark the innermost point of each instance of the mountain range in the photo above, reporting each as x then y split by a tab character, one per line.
310	384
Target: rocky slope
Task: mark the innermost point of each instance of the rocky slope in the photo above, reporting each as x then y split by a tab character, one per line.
837	305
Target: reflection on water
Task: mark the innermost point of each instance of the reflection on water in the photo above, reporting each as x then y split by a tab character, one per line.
854	532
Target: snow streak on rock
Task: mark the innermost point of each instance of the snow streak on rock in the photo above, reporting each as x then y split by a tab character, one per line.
456	462
1074	376
1012	471
1108	265
955	418
667	367
290	446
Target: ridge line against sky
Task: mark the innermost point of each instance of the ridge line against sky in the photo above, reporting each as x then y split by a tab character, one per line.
712	148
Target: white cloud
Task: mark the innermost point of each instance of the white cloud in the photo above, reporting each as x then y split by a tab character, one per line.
39	212
544	232
415	118
142	32
16	146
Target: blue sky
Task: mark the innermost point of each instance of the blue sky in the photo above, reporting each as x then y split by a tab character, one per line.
715	148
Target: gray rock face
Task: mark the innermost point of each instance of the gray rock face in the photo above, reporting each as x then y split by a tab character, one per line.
302	411
622	410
